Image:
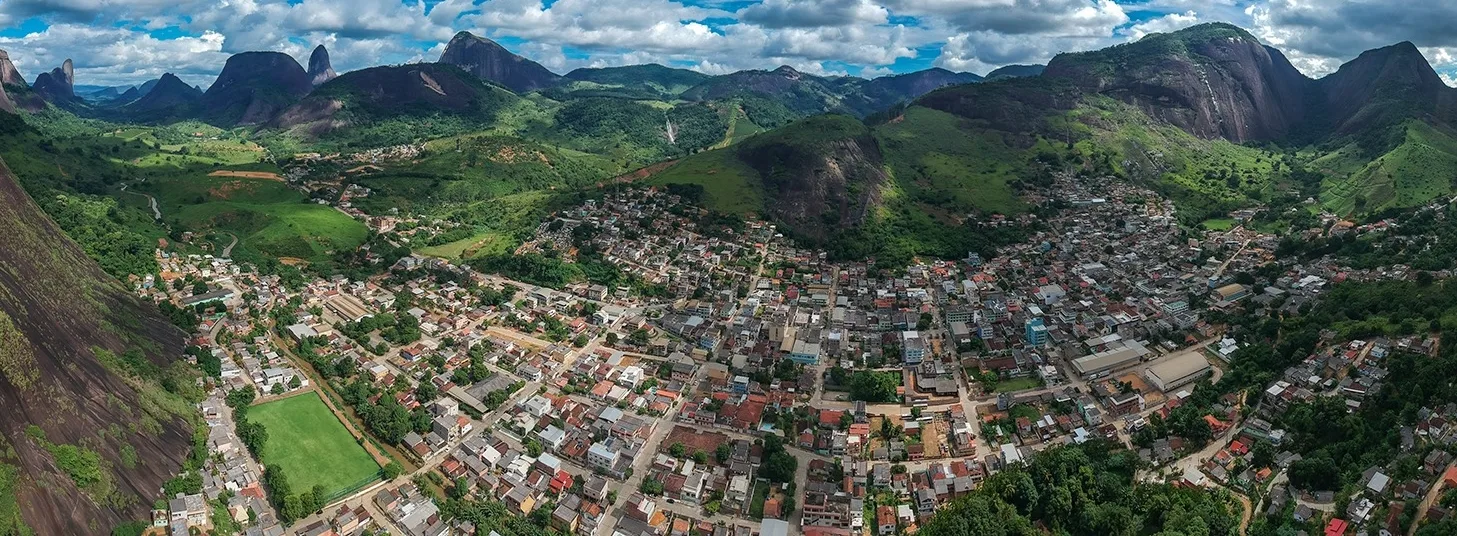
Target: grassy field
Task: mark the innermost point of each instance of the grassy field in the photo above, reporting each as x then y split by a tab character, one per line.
732	186
1219	224
1017	384
311	445
269	217
484	243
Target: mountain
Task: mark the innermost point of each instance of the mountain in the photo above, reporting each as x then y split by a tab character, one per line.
1212	80
490	61
89	435
805	94
9	76
170	92
1015	71
1381	86
911	85
320	70
147	86
57	85
648	82
823	174
130	95
254	87
410	94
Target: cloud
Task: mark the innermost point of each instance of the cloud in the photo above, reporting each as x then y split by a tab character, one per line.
108	56
808	13
1319	35
1167	23
1065	18
651	25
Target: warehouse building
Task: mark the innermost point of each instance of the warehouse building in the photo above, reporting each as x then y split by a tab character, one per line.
1116	356
1184	369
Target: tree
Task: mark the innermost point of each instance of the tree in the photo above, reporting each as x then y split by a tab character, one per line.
238	399
677	450
293	509
295	382
580	341
700	457
722	453
277	389
1263	453
392	470
875	387
533	447
253	435
651	486
780	467
426	392
638	337
460	489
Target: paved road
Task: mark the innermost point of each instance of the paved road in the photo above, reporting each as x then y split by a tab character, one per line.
156	212
228	251
1432	495
640	465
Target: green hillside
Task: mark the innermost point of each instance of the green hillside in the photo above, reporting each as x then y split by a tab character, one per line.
1422	167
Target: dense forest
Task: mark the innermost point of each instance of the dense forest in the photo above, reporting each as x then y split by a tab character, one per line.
1086	490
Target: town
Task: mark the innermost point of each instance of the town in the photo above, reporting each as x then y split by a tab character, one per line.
723	381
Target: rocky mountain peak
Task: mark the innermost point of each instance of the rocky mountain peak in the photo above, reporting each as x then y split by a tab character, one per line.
320	70
8	74
58	85
788	72
1212	80
491	61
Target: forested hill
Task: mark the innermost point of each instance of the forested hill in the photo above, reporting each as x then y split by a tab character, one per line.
1085	490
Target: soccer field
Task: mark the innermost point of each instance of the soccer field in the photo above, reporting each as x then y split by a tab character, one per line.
311	445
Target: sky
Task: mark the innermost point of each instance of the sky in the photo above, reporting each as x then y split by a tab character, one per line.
116	42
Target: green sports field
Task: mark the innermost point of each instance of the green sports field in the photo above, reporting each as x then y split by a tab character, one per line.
311	445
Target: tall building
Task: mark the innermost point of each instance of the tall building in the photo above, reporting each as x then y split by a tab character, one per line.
1036	332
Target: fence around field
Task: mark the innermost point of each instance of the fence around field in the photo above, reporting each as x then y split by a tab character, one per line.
352	488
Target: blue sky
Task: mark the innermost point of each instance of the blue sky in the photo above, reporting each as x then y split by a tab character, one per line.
129	41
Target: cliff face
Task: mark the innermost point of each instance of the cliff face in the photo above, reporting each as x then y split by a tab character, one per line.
1380	85
379	92
1213	80
823	174
320	70
254	87
490	61
58	85
9	76
59	315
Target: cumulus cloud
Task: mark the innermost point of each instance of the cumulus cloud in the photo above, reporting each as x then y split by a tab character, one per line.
809	13
1319	35
1066	18
1167	23
116	56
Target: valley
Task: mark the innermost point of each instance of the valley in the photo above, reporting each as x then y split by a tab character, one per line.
1172	286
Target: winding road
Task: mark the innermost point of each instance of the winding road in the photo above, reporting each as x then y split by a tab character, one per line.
156	212
228	251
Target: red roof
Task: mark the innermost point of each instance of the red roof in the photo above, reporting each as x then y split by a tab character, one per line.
830	417
1337	527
